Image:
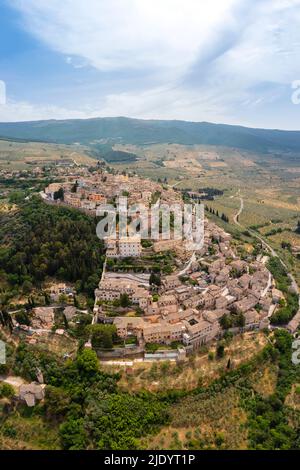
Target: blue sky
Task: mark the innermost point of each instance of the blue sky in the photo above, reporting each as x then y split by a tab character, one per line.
230	61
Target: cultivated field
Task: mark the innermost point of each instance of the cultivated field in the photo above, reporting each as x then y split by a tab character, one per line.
213	420
19	155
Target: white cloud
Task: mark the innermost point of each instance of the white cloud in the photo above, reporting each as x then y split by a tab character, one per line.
165	103
2	93
25	111
116	34
204	60
268	50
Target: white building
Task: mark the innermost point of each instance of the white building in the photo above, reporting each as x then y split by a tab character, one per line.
126	247
130	247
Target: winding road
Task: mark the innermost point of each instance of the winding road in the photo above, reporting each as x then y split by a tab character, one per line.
237	215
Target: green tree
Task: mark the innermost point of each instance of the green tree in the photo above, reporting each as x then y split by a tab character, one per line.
124	300
87	361
27	287
240	320
103	335
155	279
22	317
220	351
73	434
59	194
57	402
6	391
226	322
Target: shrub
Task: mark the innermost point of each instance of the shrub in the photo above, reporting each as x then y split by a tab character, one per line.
6	391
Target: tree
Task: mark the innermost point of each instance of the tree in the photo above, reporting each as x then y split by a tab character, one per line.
124	300
87	361
226	322
74	187
167	269
27	287
225	218
57	402
6	391
102	336
91	284
117	421
240	320
219	440
63	299
51	241
16	197
73	434
59	195
5	318
22	318
155	279
75	302
220	351
47	298
211	356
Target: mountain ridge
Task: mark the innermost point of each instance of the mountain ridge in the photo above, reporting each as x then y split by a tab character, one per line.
142	132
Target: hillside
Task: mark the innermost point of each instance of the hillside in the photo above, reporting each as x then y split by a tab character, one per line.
254	405
137	131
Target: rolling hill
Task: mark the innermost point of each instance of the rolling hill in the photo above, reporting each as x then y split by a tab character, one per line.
137	131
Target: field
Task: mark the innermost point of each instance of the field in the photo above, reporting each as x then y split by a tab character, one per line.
270	181
21	155
216	419
205	422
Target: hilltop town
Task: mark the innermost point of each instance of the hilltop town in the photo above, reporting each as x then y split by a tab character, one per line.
149	229
195	300
144	309
157	298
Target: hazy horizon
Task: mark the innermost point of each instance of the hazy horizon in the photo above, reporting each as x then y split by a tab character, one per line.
150	119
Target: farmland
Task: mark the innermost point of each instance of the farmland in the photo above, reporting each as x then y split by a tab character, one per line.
23	155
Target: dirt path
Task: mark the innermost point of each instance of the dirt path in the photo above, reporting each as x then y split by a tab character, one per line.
237	215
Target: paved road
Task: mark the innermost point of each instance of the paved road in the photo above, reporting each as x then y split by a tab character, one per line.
187	267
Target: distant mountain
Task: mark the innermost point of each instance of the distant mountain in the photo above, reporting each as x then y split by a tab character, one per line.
138	131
